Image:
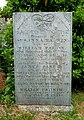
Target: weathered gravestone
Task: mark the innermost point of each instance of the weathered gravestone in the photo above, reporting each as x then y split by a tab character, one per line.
42	55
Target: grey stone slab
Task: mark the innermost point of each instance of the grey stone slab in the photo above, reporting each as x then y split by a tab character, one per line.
42	57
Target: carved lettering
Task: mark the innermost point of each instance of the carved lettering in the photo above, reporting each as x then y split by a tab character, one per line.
42	54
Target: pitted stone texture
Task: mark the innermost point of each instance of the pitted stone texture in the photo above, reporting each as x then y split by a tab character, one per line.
42	57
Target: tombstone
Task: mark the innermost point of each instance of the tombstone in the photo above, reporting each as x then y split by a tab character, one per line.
42	57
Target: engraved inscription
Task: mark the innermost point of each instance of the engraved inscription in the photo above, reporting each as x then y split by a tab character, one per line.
43	22
42	58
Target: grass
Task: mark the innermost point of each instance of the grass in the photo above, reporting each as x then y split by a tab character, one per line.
11	112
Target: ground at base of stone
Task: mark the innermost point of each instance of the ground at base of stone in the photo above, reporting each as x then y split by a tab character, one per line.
46	108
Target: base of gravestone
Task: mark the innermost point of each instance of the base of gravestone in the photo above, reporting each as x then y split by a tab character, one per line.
46	108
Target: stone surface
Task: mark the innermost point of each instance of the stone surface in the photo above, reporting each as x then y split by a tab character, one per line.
42	58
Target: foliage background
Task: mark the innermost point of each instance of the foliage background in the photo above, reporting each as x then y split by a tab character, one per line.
6	51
